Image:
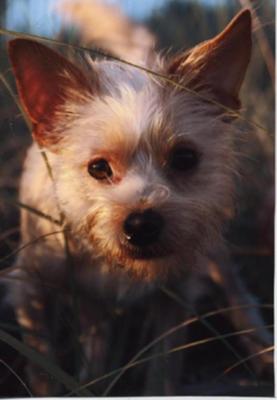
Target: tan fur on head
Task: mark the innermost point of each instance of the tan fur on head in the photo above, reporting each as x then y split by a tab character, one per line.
124	116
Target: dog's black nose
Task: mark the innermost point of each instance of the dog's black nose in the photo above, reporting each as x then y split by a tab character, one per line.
143	228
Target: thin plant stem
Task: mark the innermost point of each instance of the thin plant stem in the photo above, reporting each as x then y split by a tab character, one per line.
15	99
43	362
198	343
32	242
13	372
173	330
237	364
206	324
9	232
78	351
165	335
38	213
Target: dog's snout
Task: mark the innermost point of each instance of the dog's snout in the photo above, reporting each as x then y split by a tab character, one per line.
143	228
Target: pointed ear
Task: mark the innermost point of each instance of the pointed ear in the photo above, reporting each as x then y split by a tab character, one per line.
44	81
218	64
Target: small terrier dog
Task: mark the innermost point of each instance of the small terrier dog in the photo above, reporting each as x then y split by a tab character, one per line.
141	168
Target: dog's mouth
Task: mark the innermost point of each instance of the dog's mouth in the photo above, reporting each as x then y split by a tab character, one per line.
145	252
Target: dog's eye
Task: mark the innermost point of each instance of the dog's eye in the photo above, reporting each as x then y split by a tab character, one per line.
183	159
100	169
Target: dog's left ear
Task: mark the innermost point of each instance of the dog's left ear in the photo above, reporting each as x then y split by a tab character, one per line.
45	81
218	64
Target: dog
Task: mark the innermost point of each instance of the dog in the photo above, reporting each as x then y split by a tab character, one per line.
132	173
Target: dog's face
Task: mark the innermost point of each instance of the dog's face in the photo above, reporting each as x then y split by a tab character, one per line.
143	170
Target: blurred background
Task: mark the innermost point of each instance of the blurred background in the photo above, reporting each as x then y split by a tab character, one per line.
175	25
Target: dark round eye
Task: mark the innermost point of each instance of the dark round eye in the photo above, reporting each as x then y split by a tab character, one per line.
100	169
183	159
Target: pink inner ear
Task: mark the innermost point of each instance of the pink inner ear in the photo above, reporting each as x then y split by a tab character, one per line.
40	90
43	78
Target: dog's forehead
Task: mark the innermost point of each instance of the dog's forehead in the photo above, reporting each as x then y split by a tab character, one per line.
151	99
134	107
128	107
114	74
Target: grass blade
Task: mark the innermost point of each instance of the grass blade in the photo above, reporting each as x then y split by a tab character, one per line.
266	350
18	250
165	335
208	326
38	212
17	377
134	361
44	363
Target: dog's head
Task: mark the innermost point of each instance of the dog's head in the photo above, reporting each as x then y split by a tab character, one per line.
143	167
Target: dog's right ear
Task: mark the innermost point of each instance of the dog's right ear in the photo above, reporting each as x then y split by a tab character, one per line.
45	80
